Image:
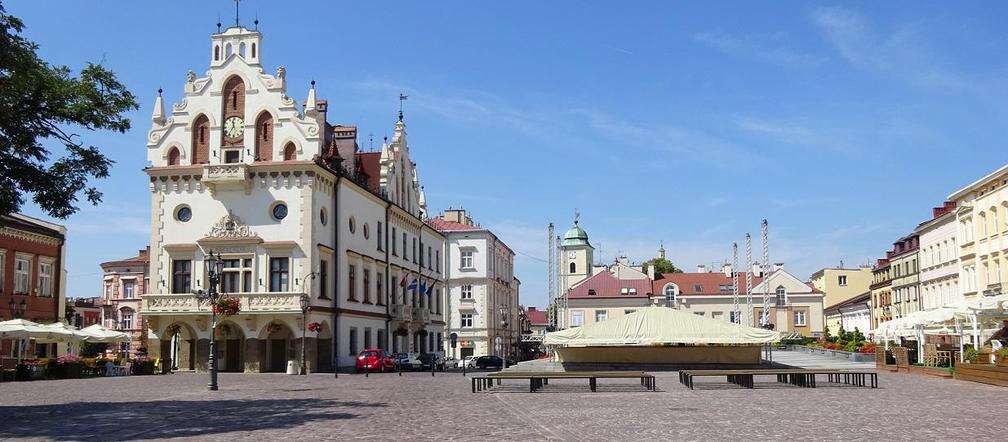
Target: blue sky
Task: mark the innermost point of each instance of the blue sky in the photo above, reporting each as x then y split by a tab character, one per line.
842	123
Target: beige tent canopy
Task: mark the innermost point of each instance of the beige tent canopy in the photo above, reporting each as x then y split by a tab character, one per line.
655	326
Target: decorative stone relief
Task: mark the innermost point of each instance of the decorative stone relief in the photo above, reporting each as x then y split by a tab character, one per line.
231	227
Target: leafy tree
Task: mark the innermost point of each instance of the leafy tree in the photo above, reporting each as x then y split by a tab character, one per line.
826	334
69	313
41	104
661	266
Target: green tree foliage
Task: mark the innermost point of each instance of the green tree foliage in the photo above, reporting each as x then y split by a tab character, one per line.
43	104
661	266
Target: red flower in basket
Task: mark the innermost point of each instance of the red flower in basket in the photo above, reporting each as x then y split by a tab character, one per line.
227	306
314	327
273	328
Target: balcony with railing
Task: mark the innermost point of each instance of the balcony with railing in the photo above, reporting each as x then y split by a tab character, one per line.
230	174
251	303
421	315
401	312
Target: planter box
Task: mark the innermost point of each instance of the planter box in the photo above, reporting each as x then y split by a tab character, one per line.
984	373
837	354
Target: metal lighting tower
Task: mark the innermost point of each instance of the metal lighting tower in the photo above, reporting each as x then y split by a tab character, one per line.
765	316
560	287
734	280
551	266
748	280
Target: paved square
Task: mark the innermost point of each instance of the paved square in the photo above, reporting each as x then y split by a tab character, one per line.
417	406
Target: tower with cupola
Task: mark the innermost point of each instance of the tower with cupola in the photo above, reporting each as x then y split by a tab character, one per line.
577	256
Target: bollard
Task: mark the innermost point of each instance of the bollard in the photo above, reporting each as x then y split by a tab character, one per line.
464	367
367	370
432	368
400	368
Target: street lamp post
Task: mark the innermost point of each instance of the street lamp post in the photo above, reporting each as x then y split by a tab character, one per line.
304	316
305	306
504	326
214	267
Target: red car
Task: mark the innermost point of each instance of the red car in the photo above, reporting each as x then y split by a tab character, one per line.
374	359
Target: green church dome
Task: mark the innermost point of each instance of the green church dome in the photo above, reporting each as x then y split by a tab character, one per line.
576	236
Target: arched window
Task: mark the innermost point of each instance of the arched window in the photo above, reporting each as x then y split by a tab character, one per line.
573	268
173	157
241	49
670	290
264	137
253	50
781	295
216	53
290	152
227	50
200	140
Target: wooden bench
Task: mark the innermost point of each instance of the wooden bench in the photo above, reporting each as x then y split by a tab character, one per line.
539	379
795	376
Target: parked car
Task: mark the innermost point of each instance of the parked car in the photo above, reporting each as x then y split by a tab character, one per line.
374	359
436	359
468	362
489	362
451	362
408	361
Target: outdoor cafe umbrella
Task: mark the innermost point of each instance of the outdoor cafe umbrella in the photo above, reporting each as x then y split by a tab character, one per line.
23	329
98	333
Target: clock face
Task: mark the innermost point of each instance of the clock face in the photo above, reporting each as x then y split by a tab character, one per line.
234	127
572	255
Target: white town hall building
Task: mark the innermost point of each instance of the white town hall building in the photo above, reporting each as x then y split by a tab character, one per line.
240	168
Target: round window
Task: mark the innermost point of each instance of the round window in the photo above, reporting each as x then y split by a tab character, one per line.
183	214
280	211
353	225
367	234
322	216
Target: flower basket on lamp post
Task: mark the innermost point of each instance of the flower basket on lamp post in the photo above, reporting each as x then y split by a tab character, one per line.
226	306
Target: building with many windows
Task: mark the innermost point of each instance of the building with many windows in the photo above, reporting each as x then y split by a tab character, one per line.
840	284
86	311
123	281
981	213
482	292
939	259
241	169
32	276
905	269
881	293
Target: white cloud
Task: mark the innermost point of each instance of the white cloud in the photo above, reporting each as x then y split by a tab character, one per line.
765	52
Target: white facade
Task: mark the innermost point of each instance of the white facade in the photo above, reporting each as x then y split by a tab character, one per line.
982	232
939	263
239	169
482	296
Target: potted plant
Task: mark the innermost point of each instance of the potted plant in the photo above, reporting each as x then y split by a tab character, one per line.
1002	356
971	355
227	306
314	327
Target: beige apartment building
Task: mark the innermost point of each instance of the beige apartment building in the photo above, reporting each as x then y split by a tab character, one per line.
840	284
982	217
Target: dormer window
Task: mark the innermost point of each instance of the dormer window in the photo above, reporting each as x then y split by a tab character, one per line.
591	292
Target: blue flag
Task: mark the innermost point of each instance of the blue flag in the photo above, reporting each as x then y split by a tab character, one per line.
423	287
412	285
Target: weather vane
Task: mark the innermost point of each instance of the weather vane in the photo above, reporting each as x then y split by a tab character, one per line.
577	215
402	98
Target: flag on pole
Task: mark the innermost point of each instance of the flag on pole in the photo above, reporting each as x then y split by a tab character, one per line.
412	285
430	288
402	282
423	287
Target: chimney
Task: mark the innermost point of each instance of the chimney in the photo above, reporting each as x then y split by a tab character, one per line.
726	269
701	268
457	216
651	272
756	270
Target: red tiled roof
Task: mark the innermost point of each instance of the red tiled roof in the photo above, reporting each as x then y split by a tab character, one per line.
369	164
536	316
606	285
143	257
442	225
710	283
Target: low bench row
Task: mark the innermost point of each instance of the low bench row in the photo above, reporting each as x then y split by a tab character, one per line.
540	379
798	377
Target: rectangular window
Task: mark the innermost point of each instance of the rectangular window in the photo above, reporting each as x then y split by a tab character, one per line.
380	284
414	255
467	320
799	318
393	242
404	245
351	282
232	156
181	276
698	313
592	292
323	279
735	317
128	288
467	291
421	253
430	262
437	261
367	338
127	320
842	280
367	285
353	341
467	259
3	267
577	318
628	311
45	286
279	274
600	315
231	277
697	288
381	339
440	342
22	275
378	235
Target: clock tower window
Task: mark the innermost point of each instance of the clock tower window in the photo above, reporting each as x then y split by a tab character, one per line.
234	112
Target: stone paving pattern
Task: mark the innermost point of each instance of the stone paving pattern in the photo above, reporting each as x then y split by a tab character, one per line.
417	406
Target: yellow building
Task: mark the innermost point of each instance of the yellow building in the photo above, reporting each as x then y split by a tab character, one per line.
840	284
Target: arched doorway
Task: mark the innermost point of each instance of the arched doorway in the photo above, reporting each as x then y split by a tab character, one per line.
178	347
230	340
278	347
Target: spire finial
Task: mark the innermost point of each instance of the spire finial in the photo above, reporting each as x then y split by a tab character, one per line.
236	12
218	23
402	98
577	215
313	84
159	91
